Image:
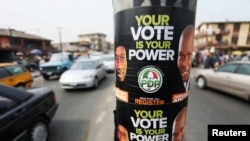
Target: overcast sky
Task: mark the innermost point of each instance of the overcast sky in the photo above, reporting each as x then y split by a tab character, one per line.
73	17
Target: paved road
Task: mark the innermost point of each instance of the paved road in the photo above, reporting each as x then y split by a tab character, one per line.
35	74
98	125
102	129
205	107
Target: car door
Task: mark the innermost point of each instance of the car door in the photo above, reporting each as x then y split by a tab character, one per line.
100	69
240	84
103	69
19	76
223	77
13	120
5	77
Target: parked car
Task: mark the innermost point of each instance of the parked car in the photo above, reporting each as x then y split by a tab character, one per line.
109	62
15	75
84	73
245	56
57	64
31	66
83	56
232	78
26	114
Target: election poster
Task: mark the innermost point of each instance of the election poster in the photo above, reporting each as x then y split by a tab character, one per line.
153	48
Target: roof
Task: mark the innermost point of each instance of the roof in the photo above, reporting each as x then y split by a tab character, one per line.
20	34
222	22
7	64
92	34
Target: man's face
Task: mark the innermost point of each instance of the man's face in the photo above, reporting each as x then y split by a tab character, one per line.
120	63
185	56
122	133
179	127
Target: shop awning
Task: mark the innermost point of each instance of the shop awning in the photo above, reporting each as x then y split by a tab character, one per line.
237	52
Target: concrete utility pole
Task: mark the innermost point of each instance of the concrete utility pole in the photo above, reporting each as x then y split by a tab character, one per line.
60	38
149	104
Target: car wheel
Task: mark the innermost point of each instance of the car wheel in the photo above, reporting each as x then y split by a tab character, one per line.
39	130
96	83
201	82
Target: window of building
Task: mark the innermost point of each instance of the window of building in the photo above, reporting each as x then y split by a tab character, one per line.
236	27
234	40
221	26
218	37
248	40
248	37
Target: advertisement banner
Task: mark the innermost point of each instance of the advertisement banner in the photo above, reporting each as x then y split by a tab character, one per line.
153	49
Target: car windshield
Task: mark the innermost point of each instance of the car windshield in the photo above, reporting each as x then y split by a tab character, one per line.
83	65
108	58
228	68
24	62
58	57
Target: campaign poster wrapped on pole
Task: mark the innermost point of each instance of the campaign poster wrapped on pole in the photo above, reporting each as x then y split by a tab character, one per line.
153	47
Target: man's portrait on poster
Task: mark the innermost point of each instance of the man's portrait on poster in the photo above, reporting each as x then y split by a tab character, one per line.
179	125
120	63
185	52
122	133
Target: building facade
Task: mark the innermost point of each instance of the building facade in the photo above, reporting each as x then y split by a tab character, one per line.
13	42
97	41
223	36
72	46
22	42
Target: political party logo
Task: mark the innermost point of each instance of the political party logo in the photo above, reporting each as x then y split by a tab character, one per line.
150	79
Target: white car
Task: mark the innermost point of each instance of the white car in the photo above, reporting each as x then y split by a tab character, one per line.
84	73
97	55
109	62
245	56
232	78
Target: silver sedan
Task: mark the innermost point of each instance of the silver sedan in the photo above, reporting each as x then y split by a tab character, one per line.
109	62
232	78
84	73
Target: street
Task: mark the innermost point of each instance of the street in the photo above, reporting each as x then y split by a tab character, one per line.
80	111
87	115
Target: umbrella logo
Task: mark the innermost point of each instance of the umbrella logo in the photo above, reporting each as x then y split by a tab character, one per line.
150	79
